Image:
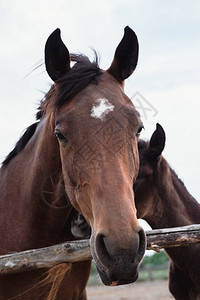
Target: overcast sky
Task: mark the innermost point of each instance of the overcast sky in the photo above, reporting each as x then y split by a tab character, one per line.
166	81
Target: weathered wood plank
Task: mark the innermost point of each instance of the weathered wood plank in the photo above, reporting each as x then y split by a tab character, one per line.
45	257
173	237
188	228
80	250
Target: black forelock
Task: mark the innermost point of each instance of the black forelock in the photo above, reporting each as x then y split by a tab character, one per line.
81	74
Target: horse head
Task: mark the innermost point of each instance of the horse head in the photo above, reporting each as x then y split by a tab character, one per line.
147	183
97	129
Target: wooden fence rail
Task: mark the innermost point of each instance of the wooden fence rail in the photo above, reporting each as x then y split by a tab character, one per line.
80	250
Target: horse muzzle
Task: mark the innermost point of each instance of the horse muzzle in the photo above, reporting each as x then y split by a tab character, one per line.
118	265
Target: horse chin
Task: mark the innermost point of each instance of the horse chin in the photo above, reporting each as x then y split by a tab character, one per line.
110	279
109	282
115	272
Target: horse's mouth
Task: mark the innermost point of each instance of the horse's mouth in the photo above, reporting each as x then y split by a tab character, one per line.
114	277
122	267
110	282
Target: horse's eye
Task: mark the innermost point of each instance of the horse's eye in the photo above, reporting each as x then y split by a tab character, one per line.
60	136
141	126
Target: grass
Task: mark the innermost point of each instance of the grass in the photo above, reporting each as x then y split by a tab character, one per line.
151	275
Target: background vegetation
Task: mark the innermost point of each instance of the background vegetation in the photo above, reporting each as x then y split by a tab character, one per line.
154	267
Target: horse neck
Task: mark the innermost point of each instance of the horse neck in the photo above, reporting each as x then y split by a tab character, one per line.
178	208
34	172
173	204
48	171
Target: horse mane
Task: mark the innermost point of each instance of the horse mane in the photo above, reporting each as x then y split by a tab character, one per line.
80	75
176	177
21	143
181	186
51	282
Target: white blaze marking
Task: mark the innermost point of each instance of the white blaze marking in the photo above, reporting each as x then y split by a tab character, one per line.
101	108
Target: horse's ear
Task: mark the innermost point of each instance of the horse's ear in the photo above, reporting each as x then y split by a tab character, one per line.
126	56
157	142
57	58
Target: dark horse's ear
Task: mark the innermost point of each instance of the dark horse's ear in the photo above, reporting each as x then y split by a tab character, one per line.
126	56
57	58
157	142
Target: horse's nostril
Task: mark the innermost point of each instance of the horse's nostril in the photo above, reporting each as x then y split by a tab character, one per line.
118	259
102	250
100	243
142	245
107	250
142	238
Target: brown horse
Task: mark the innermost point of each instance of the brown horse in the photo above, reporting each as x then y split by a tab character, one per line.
82	154
163	201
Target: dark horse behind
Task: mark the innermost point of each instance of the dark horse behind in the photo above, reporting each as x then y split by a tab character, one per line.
81	154
163	201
